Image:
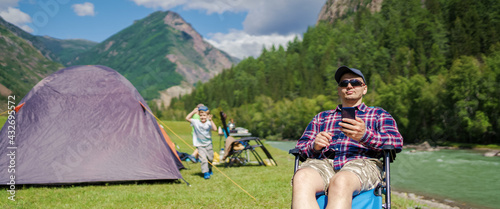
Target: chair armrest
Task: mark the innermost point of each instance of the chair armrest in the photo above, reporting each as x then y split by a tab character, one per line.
390	150
295	152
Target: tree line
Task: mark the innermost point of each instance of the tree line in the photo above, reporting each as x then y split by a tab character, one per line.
435	66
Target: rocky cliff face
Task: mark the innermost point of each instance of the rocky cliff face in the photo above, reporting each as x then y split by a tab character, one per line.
334	9
213	60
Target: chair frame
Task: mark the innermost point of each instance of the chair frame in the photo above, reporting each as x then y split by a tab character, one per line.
388	158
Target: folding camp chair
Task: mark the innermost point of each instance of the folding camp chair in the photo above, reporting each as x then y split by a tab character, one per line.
235	148
367	199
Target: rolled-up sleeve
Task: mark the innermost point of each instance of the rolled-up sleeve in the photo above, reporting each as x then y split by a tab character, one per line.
385	133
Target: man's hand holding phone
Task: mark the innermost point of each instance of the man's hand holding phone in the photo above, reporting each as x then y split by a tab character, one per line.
352	126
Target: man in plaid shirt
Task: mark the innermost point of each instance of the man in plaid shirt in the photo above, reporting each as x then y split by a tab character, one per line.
343	153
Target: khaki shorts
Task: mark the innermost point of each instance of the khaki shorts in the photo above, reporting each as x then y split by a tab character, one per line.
369	171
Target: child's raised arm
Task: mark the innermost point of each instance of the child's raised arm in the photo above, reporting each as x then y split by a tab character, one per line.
190	115
214	127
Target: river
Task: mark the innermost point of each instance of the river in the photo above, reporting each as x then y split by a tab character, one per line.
462	176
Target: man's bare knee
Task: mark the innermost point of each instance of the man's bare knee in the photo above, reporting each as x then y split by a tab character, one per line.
306	182
345	181
308	179
304	176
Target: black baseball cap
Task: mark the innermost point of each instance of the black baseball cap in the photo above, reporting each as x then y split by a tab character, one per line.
344	69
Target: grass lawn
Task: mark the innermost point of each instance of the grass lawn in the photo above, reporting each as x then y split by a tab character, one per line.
270	186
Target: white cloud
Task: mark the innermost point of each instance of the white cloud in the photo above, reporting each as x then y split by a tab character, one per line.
210	6
163	4
267	22
282	16
220	6
241	44
85	9
17	17
5	4
264	16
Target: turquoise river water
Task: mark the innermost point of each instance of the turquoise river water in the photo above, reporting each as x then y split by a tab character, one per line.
464	177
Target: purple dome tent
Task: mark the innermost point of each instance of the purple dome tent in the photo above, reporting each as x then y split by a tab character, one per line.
85	124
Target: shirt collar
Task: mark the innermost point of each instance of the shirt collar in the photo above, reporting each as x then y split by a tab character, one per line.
362	107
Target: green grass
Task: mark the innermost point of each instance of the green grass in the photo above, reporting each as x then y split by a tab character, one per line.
269	185
3	119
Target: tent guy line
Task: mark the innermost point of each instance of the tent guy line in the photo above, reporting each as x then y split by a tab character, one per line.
163	124
4	112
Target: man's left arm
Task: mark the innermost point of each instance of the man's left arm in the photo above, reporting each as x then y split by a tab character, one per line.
385	133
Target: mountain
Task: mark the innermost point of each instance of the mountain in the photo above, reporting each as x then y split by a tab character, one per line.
57	50
158	52
65	50
21	65
334	9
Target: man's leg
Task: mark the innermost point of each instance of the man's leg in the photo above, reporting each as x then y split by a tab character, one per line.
341	189
306	183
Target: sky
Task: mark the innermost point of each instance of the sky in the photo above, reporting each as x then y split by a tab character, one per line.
239	27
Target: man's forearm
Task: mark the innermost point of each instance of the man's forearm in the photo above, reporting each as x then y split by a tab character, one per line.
388	134
306	147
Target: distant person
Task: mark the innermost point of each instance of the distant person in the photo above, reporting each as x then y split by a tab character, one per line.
231	125
202	131
343	154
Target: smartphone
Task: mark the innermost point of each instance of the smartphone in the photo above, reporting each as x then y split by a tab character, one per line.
349	112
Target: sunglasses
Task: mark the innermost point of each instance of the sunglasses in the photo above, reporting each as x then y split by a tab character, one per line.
353	82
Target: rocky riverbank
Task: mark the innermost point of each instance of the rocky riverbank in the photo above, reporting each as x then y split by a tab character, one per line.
425	146
430	202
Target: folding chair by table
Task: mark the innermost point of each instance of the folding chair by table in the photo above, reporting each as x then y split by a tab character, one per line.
235	148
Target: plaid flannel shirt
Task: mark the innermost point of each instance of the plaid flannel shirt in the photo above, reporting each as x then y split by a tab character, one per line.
381	129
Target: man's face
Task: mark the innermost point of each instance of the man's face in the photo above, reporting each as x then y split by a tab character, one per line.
203	116
351	93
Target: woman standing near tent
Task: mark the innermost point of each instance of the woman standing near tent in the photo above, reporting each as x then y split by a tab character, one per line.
203	136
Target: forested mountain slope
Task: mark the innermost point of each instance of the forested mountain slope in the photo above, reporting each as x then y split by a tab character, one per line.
21	66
